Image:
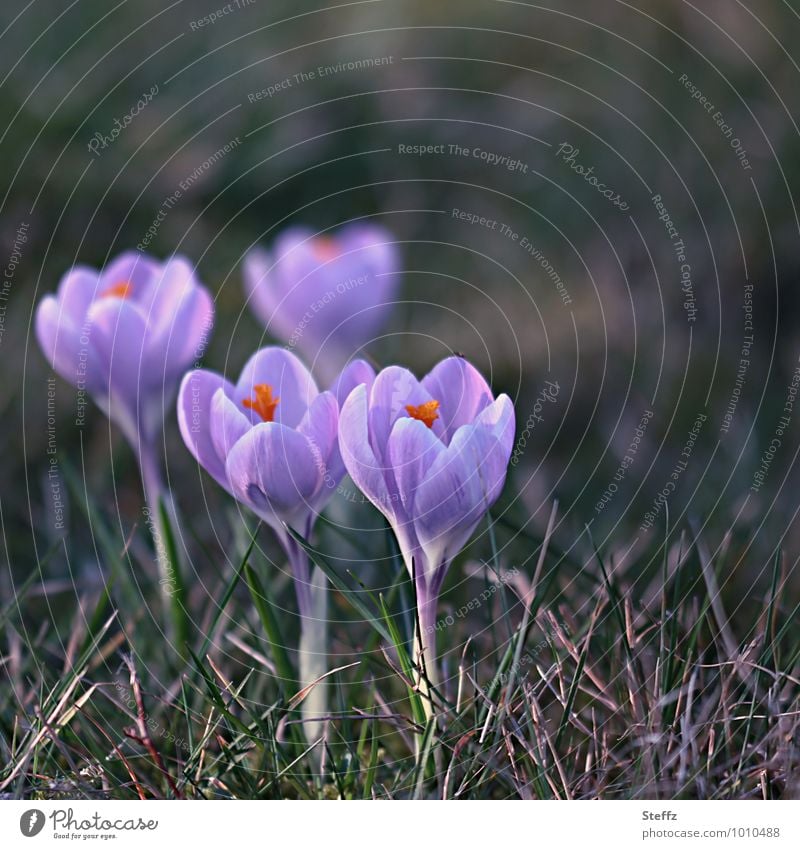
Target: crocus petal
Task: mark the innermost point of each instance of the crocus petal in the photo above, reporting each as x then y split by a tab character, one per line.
118	333
195	398
184	332
394	388
169	284
289	379
137	269
228	423
266	291
361	463
464	482
448	506
76	291
272	470
324	294
373	246
412	449
354	374
320	426
461	392
498	417
65	347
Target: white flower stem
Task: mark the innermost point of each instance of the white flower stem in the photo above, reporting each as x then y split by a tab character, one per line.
425	655
311	587
313	656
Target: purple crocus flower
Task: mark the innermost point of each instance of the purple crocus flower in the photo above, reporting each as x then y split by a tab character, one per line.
271	440
432	456
126	334
324	295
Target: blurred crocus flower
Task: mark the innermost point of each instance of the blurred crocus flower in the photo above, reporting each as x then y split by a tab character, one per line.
126	334
432	456
271	440
325	295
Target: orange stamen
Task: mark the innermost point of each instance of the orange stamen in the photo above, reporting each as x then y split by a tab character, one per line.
123	289
325	248
424	412
264	404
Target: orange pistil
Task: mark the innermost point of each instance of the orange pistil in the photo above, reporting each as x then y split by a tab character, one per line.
123	289
325	248
264	404
424	412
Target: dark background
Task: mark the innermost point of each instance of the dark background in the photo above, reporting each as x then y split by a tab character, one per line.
512	78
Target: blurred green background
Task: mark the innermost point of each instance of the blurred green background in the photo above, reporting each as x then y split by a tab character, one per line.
610	79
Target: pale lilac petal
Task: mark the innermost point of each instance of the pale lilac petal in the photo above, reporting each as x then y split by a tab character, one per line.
195	398
65	346
374	247
265	293
272	470
228	423
118	333
168	286
298	252
361	463
461	392
138	269
320	426
394	388
76	291
290	381
184	334
355	373
449	504
412	449
464	482
499	418
326	295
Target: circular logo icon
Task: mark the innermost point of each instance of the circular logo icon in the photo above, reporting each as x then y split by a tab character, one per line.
31	822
